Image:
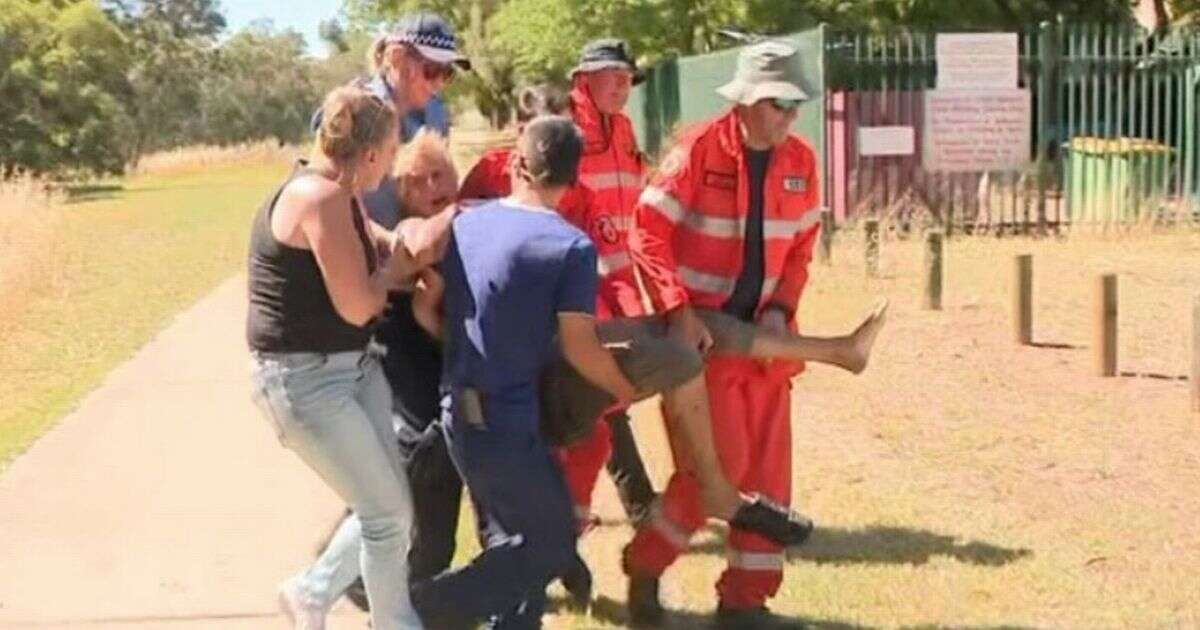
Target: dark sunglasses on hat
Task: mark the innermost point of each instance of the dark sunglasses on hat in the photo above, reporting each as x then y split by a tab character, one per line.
786	104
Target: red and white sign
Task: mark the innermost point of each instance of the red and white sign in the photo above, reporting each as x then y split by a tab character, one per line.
977	130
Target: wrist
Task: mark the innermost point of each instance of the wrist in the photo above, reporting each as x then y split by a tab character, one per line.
776	307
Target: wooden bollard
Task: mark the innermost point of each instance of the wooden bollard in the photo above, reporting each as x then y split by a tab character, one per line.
871	230
933	270
1023	299
1105	325
825	251
1195	383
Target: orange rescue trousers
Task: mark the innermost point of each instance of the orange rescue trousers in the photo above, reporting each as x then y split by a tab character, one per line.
751	415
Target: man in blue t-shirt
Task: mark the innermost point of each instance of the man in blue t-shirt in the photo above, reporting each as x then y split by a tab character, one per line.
518	279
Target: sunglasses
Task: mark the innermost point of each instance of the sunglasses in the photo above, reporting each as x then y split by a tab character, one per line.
786	104
434	71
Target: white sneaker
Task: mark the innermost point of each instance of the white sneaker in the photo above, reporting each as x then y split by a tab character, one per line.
301	614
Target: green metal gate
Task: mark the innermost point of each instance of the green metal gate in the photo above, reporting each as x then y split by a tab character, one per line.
1113	138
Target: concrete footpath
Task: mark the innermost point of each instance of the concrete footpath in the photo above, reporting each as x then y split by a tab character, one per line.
164	501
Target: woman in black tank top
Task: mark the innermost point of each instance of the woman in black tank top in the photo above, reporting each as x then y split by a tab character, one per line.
319	274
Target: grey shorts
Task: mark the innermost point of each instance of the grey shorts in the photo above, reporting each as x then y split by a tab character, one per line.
652	361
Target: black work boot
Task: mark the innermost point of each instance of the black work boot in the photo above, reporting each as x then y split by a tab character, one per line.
642	597
758	618
644	607
578	582
771	520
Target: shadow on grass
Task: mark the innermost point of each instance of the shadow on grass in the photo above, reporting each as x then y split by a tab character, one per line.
887	545
1050	345
93	192
1155	376
613	612
1000	627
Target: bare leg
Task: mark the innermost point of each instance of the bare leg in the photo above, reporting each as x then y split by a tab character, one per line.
690	424
849	352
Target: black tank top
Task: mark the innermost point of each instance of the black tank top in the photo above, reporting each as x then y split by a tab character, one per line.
290	308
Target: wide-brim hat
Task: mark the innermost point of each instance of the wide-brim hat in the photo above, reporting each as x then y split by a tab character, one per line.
602	54
768	69
432	36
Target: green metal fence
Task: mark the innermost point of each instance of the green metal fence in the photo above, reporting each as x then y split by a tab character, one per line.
1113	138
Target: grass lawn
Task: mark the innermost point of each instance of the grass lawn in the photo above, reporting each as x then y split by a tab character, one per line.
961	482
967	482
126	258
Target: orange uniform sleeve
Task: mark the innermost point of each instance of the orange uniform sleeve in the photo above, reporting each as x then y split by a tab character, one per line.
663	204
488	179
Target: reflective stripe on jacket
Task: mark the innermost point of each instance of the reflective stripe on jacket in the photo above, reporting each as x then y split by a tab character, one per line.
613	169
691	220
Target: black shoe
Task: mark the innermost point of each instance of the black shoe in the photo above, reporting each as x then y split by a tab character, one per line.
759	618
578	582
644	607
767	518
357	594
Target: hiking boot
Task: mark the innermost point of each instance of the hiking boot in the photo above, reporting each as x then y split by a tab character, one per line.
644	607
301	614
578	582
771	520
758	618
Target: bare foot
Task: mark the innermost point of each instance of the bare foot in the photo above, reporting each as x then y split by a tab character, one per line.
863	338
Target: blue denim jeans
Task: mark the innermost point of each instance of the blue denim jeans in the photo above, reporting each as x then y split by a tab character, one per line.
334	411
437	495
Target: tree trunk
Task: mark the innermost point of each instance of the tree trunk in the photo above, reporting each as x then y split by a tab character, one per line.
1162	17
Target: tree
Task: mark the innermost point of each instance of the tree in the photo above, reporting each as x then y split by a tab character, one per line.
260	85
334	35
172	45
61	66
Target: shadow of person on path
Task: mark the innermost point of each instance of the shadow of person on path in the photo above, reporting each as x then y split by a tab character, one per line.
886	545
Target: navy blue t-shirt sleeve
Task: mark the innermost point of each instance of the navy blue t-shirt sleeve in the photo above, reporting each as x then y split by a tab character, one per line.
578	283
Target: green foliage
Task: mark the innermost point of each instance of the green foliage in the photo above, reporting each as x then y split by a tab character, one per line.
60	69
258	85
88	86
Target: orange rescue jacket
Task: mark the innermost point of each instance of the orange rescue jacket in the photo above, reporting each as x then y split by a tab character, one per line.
691	220
613	169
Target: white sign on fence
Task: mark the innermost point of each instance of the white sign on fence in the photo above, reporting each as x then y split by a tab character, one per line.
977	60
977	130
885	141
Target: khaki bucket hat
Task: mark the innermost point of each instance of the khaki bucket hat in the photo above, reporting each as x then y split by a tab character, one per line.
767	69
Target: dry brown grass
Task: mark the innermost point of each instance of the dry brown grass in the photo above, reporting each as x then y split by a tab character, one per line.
30	213
197	158
964	481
